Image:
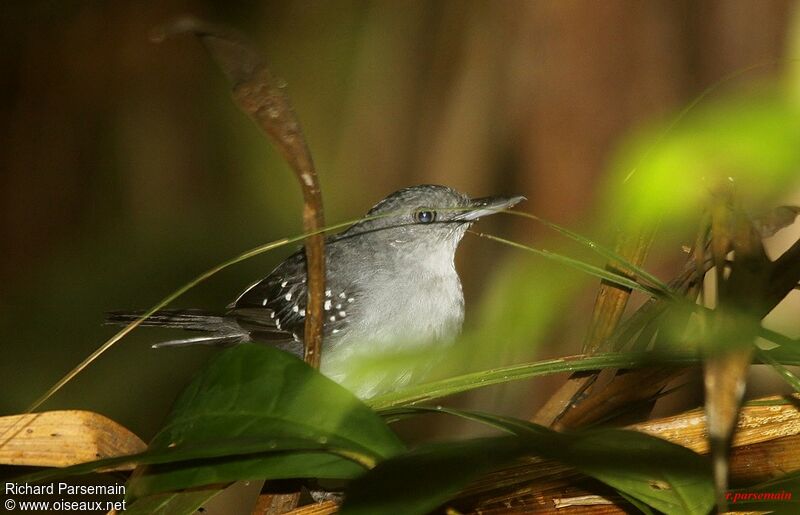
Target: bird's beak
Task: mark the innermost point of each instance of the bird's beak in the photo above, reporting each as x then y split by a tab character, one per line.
486	206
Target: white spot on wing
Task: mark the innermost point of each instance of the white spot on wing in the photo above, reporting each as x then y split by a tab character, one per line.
284	283
333	319
327	305
288	296
264	302
342	295
342	314
296	309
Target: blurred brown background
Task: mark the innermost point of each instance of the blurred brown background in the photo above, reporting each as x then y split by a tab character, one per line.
125	169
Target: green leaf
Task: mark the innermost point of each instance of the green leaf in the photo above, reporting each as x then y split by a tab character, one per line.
421	480
250	396
752	140
668	477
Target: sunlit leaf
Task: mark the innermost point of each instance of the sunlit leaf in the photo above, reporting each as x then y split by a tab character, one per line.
754	141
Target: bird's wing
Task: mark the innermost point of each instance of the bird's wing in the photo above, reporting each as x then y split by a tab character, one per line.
280	300
273	301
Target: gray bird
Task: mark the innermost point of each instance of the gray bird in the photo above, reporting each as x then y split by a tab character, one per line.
390	281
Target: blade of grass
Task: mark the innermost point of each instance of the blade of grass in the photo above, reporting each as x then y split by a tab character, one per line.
605	252
436	389
579	265
417	394
782	371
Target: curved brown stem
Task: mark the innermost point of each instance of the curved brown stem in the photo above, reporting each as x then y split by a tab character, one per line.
258	93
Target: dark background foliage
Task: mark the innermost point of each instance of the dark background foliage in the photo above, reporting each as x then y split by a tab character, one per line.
125	169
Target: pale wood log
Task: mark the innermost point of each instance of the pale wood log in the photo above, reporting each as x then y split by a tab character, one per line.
63	438
756	424
317	508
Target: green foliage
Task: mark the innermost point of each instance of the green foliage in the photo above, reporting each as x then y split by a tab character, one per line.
665	476
666	175
257	413
255	395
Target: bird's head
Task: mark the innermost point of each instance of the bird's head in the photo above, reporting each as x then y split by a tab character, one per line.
428	218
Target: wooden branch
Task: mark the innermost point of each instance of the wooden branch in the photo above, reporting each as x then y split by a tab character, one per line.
275	503
63	438
322	508
262	97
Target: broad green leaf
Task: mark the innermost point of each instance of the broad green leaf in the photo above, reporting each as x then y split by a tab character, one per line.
668	477
254	395
663	475
421	480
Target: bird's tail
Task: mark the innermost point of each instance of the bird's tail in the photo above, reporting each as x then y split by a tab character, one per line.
219	330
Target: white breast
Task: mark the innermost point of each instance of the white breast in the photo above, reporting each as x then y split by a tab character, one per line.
402	314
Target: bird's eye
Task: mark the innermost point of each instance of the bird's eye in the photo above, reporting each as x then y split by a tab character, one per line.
425	217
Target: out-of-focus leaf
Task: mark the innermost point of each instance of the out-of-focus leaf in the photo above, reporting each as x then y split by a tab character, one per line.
775	220
755	141
260	394
668	477
741	303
